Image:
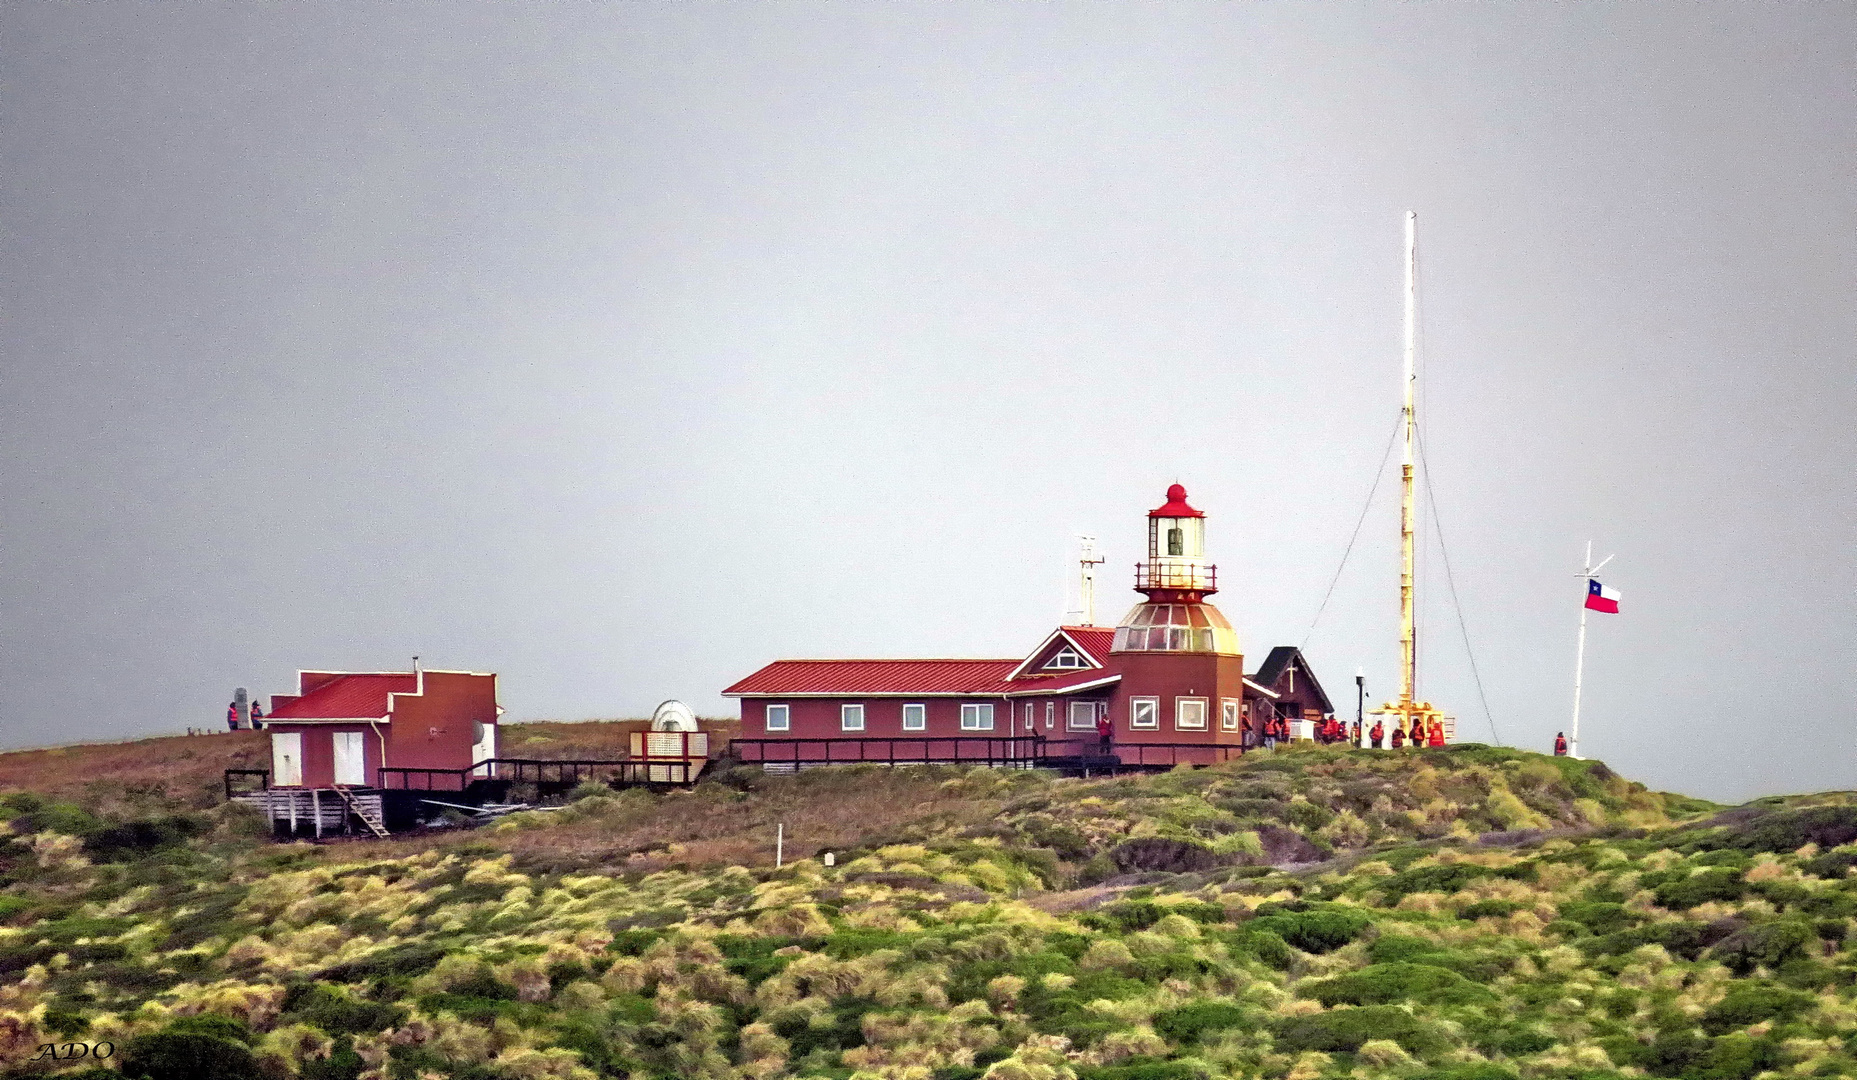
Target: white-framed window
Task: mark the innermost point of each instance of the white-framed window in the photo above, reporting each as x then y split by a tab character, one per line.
915	718
1050	714
977	717
1190	714
1144	712
1066	659
851	718
1031	716
1228	714
1081	717
779	718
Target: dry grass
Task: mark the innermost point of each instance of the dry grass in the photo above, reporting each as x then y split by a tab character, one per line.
550	740
172	772
718	825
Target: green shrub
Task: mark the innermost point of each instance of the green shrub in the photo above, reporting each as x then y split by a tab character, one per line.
1486	909
1599	917
178	1054
333	1010
1736	1057
1384	984
1750	1003
1722	883
1438	877
1347	1029
1770	945
132	839
1316	931
1188	1023
1141	1070
410	959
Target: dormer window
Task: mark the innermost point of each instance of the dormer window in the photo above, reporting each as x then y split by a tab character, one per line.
1066	659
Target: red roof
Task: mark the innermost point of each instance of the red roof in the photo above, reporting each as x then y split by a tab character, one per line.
1095	640
1176	505
860	677
348	697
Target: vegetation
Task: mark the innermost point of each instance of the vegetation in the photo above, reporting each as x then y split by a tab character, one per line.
1458	914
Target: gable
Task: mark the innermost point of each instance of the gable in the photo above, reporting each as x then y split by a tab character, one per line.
1068	650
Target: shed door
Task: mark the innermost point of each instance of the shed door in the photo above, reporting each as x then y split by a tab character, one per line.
349	766
286	759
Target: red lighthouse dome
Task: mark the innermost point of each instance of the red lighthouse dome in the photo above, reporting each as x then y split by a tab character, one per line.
1177	578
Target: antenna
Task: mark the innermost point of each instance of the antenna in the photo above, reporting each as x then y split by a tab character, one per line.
1088	559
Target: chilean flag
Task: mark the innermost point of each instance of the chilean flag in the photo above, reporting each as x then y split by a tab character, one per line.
1600	598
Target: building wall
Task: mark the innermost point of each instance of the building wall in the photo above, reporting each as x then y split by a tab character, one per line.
433	730
1170	677
319	750
821	718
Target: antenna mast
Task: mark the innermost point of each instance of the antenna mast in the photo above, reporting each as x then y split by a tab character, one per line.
1408	638
1087	562
1411	716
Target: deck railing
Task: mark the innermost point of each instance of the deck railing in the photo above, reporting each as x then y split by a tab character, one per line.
238	782
902	750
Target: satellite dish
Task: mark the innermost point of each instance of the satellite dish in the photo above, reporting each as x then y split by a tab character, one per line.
477	731
673	715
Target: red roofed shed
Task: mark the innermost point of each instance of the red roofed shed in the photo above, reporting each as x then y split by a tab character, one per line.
341	727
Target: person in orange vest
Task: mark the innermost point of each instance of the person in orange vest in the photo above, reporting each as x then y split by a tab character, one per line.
1354	733
257	717
232	716
1437	732
1378	734
1560	744
1399	736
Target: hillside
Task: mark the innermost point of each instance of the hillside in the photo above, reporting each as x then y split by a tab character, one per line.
1467	913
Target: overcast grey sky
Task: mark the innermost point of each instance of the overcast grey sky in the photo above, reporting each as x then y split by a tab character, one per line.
620	349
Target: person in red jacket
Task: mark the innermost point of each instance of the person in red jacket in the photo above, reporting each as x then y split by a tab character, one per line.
1105	734
1437	732
1560	744
1378	734
1399	736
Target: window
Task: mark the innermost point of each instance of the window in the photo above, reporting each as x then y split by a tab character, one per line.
977	717
851	718
1228	714
1176	542
1031	715
1082	716
778	718
1067	659
1190	713
1144	712
915	718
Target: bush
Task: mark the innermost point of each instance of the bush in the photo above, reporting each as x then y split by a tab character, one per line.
1768	945
1188	1023
1384	984
1600	918
185	1055
1719	883
1318	931
1347	1029
337	1013
133	839
1751	1003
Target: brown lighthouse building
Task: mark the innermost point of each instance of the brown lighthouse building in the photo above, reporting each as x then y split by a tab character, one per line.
1169	682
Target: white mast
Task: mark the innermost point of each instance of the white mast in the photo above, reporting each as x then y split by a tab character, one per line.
1408	637
1579	663
1087	562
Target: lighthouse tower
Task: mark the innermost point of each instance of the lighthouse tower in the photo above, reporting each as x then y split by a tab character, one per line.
1182	669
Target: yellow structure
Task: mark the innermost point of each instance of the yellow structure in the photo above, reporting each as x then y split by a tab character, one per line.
1407	713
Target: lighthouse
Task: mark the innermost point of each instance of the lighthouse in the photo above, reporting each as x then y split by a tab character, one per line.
1182	669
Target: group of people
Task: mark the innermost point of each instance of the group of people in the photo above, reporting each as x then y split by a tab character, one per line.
1331	731
232	716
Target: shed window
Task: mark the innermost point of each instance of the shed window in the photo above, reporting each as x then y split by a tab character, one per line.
1082	716
778	718
1144	712
851	718
915	717
977	717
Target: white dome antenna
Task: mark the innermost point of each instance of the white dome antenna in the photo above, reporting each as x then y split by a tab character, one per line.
673	715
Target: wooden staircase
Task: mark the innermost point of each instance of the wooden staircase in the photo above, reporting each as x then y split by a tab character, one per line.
368	815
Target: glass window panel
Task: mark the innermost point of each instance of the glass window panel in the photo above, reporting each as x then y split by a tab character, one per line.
778	719
851	717
915	717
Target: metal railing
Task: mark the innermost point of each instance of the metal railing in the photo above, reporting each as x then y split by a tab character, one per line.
517	770
236	785
924	750
1198	577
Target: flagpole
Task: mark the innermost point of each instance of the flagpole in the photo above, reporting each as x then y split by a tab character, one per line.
1579	664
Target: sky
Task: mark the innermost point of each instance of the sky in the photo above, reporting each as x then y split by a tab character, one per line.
623	348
